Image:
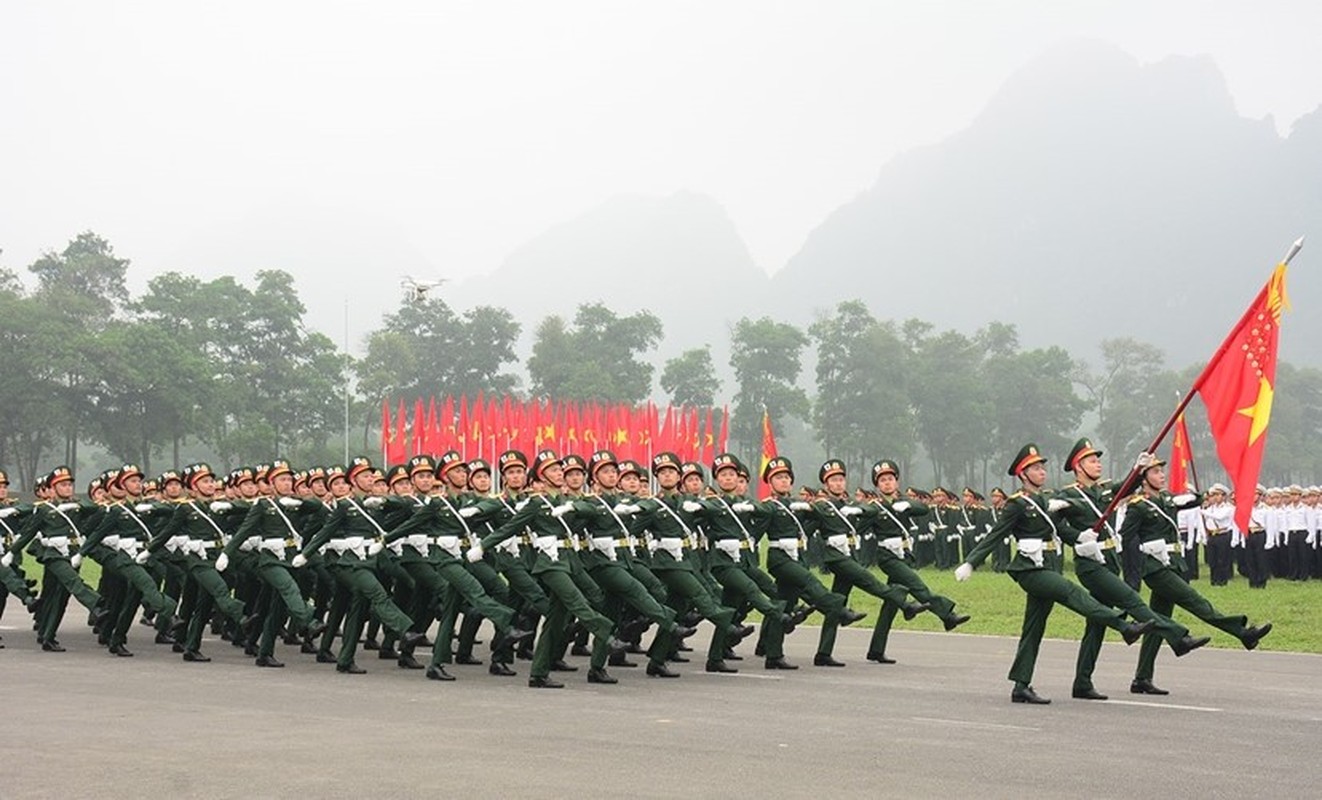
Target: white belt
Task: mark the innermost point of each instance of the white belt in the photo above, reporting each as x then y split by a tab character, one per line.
111	542
895	544
418	541
839	541
60	543
1032	550
548	546
672	545
730	547
789	546
350	544
605	545
128	545
449	544
176	543
275	547
197	547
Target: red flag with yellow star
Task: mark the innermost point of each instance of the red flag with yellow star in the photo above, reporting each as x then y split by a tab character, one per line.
1181	458
1237	387
768	453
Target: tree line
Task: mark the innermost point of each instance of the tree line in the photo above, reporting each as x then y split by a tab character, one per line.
219	369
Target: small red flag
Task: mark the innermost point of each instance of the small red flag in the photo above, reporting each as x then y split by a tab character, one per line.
768	453
1181	458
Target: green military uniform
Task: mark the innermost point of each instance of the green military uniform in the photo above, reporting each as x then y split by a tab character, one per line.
1030	518
1150	523
1098	569
11	578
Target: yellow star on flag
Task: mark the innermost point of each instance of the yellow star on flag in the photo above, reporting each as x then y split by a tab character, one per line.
1260	411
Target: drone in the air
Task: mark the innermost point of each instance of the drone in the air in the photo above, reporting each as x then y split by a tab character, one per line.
415	291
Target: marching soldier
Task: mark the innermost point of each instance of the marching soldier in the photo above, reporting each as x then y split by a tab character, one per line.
11	579
1150	521
1001	549
1098	569
1033	520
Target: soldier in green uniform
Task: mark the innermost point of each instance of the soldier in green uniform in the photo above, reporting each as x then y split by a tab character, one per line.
1000	549
268	522
553	540
197	538
11	579
1098	568
730	538
969	519
1150	522
354	534
944	527
119	542
53	530
841	526
1033	519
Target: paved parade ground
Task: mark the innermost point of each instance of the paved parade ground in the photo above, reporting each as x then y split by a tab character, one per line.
938	724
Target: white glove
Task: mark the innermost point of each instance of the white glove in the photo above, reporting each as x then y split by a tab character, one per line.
474	554
1056	504
76	560
220	506
850	511
963	572
374	502
799	505
626	508
903	505
1089	550
68	506
742	506
222	561
141	557
562	509
6	559
374	548
469	511
8	511
1184	499
144	508
519	505
290	502
692	506
1087	536
1144	460
299	560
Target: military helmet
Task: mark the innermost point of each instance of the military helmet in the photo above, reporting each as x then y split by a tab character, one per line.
883	467
665	459
421	463
572	462
832	466
600	459
512	458
543	459
725	461
776	466
630	467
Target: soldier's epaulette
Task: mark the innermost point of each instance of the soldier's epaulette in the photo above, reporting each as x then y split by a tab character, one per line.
1018	495
1136	498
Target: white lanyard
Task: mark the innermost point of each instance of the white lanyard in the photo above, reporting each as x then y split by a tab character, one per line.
802	532
1055	535
133	517
362	511
1159	510
220	532
738	521
1091	505
276	506
842	517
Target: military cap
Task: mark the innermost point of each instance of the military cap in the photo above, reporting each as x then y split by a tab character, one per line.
397	473
356	465
1295	488
665	459
1145	464
336	472
741	469
725	461
833	466
572	462
150	486
449	460
630	467
512	458
41	482
59	475
261	472
316	474
300	478
776	466
1027	456
242	475
194	472
421	463
122	474
600	459
542	460
278	467
882	467
167	476
998	490
478	465
1218	487
93	485
692	468
1081	450
4	477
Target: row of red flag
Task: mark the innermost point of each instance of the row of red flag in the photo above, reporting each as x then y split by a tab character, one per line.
485	427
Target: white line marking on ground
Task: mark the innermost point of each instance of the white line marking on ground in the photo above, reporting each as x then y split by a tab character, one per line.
968	724
1160	705
738	675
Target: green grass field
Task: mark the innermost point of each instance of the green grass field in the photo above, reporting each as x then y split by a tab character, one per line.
997	605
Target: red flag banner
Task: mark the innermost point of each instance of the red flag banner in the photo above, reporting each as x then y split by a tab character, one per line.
768	453
387	435
419	428
1237	386
1181	458
398	451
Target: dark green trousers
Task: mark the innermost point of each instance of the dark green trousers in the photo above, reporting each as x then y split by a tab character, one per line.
466	590
1109	588
618	583
1170	589
141	590
566	602
849	574
369	597
1044	589
742	586
685	586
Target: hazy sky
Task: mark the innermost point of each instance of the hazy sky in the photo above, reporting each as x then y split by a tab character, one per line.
226	137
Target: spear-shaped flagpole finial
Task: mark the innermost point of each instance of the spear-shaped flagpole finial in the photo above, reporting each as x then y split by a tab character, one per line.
1294	250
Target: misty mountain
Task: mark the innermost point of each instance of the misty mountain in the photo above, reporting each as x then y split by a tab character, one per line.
1093	197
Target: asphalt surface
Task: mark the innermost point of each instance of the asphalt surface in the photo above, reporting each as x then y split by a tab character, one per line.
938	724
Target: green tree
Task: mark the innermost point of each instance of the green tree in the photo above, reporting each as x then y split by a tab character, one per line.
597	358
1133	394
954	414
690	378
767	358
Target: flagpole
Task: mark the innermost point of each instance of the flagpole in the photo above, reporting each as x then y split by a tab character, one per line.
1132	477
